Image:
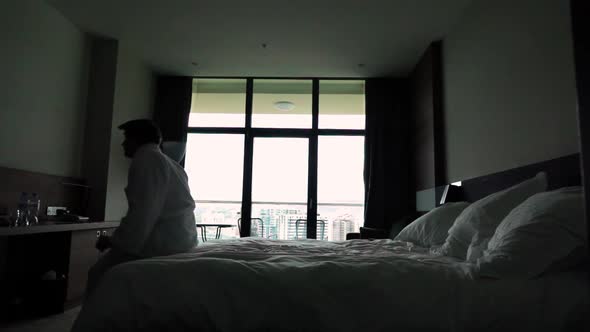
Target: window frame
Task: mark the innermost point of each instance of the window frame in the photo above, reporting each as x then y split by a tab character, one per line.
250	133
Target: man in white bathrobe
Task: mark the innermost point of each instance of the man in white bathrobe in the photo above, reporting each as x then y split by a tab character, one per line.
160	219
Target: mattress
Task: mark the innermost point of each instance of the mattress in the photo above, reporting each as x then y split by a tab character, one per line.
382	285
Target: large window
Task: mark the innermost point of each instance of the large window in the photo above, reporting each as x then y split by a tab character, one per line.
282	103
342	105
218	103
277	158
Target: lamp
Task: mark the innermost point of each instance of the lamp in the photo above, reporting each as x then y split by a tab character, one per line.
451	193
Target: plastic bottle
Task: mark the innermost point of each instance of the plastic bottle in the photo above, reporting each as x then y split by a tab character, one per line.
33	204
21	210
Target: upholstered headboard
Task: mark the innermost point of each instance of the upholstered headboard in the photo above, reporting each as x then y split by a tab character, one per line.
561	172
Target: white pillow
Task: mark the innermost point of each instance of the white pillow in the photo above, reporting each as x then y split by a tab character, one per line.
541	233
431	229
477	223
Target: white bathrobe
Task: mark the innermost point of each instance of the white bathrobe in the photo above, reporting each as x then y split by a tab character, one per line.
160	220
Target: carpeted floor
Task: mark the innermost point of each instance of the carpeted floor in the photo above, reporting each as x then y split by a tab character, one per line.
56	323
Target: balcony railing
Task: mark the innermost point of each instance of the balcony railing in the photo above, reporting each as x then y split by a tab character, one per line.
281	220
277	203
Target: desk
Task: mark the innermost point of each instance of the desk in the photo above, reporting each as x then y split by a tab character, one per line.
26	253
52	227
203	228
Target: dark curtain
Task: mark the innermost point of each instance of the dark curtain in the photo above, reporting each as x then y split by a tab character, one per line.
388	189
171	112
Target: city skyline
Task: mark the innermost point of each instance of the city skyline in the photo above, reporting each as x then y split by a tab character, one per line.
282	222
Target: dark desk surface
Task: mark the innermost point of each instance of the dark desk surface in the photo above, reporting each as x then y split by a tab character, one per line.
50	227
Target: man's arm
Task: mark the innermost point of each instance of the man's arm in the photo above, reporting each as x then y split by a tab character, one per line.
146	194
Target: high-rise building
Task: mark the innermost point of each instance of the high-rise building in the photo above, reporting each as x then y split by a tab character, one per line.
288	224
342	226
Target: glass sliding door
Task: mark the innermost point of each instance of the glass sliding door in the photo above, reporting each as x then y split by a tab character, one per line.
341	122
340	185
279	187
214	164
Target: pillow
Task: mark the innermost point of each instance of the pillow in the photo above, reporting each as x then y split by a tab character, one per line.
546	231
431	229
477	223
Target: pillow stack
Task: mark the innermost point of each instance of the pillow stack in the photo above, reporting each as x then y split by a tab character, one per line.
547	231
474	227
520	232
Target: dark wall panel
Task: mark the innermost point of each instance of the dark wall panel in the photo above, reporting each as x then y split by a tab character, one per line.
99	118
427	116
580	10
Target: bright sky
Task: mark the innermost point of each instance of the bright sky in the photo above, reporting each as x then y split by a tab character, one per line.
277	121
214	164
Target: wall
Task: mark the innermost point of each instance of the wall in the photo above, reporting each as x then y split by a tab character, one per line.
134	90
43	62
510	95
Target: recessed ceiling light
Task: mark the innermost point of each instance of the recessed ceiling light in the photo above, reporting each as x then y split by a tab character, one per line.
361	65
284	106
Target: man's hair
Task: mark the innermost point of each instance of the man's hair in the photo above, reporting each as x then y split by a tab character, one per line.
143	130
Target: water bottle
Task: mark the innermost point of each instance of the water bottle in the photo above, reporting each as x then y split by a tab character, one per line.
21	210
33	204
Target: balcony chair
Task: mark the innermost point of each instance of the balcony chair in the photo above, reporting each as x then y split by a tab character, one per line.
304	221
239	221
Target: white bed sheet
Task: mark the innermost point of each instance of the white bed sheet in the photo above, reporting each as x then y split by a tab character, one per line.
261	285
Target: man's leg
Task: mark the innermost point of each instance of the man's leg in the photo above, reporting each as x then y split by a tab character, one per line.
110	259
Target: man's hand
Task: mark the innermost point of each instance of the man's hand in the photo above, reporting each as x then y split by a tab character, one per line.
103	243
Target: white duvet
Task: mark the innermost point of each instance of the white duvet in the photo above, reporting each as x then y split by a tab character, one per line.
261	285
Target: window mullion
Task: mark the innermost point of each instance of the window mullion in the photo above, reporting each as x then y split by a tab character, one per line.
248	160
312	182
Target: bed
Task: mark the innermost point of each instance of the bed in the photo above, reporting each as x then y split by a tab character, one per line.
253	284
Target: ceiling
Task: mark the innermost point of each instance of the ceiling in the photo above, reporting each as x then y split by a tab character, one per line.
302	38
